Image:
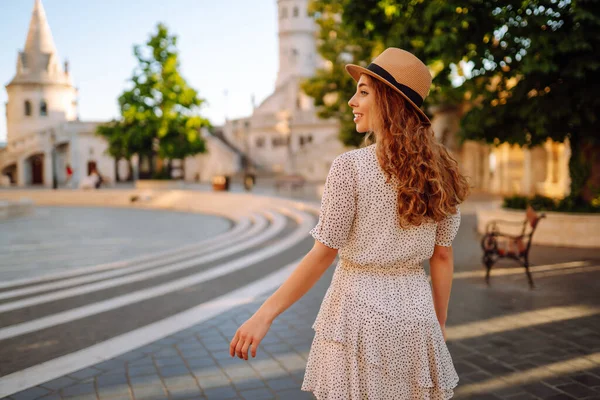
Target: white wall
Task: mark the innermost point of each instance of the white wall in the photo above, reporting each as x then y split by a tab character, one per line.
60	106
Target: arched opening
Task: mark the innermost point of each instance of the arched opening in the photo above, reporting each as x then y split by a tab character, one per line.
43	108
10	171
27	108
296	12
34	169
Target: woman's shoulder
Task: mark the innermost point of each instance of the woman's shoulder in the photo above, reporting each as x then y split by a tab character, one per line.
354	154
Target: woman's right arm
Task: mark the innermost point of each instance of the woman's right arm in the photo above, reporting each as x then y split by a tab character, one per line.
441	269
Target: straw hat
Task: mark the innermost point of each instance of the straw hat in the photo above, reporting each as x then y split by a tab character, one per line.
401	71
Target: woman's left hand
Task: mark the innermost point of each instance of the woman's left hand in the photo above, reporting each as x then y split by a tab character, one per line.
250	333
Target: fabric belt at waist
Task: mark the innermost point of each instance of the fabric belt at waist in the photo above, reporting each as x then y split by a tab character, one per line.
399	270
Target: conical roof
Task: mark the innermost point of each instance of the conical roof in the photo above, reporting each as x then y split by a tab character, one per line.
39	61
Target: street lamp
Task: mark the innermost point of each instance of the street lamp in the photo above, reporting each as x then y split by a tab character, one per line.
53	155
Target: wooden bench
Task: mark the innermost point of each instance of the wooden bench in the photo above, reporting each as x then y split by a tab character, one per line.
498	244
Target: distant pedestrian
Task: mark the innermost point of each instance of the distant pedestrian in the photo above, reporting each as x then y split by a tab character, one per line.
69	172
386	208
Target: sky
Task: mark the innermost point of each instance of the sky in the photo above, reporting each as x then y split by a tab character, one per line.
224	45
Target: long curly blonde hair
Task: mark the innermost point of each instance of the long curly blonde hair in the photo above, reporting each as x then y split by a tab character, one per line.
429	183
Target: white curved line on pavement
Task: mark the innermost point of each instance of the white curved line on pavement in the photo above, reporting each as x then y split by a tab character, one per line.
183	253
277	226
139	337
120	301
242	225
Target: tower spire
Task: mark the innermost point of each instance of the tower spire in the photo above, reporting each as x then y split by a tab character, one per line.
39	62
39	36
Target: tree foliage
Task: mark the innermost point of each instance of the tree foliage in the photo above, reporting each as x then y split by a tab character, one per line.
523	71
159	111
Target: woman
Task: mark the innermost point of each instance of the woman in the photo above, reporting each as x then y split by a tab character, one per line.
387	207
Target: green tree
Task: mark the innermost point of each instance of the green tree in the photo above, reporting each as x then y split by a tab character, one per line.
159	111
524	68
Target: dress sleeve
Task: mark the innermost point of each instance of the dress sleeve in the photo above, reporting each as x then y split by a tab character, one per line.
338	205
447	229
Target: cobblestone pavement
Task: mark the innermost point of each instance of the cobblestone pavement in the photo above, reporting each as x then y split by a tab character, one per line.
507	341
55	239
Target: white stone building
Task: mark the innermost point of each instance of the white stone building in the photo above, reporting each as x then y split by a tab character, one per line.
44	133
288	115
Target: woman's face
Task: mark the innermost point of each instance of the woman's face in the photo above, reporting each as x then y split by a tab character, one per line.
361	104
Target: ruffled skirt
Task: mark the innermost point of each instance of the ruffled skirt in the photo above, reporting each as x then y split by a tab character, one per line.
377	337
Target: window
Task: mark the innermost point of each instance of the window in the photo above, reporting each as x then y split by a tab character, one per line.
280	141
296	13
309	139
43	108
27	108
260	142
301	140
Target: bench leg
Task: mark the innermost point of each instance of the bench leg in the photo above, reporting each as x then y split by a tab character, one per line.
529	277
487	260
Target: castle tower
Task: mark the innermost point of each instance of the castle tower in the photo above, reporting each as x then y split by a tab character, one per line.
41	94
297	41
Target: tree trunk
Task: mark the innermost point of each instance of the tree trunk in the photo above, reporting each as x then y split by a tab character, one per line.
580	170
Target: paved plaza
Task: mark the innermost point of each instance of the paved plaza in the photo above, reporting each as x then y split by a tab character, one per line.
507	341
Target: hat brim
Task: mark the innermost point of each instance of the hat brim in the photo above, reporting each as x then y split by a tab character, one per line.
356	70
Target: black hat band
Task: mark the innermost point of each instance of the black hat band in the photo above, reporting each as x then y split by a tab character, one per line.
408	92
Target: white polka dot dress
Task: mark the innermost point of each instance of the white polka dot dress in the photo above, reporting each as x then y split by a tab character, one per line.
376	335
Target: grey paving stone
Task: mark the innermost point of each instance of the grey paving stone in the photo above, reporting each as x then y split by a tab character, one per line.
59	383
182	382
168	361
257	394
111	365
30	394
221	346
577	390
587	379
85	373
485	397
557	380
185	395
201	362
540	390
86	396
174	370
220	393
278	348
294	394
168	341
215	379
150	392
145	380
142	362
241	373
166	352
476	376
249	384
111	380
184	391
116	390
141	371
132	355
561	396
75	390
282	384
51	396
